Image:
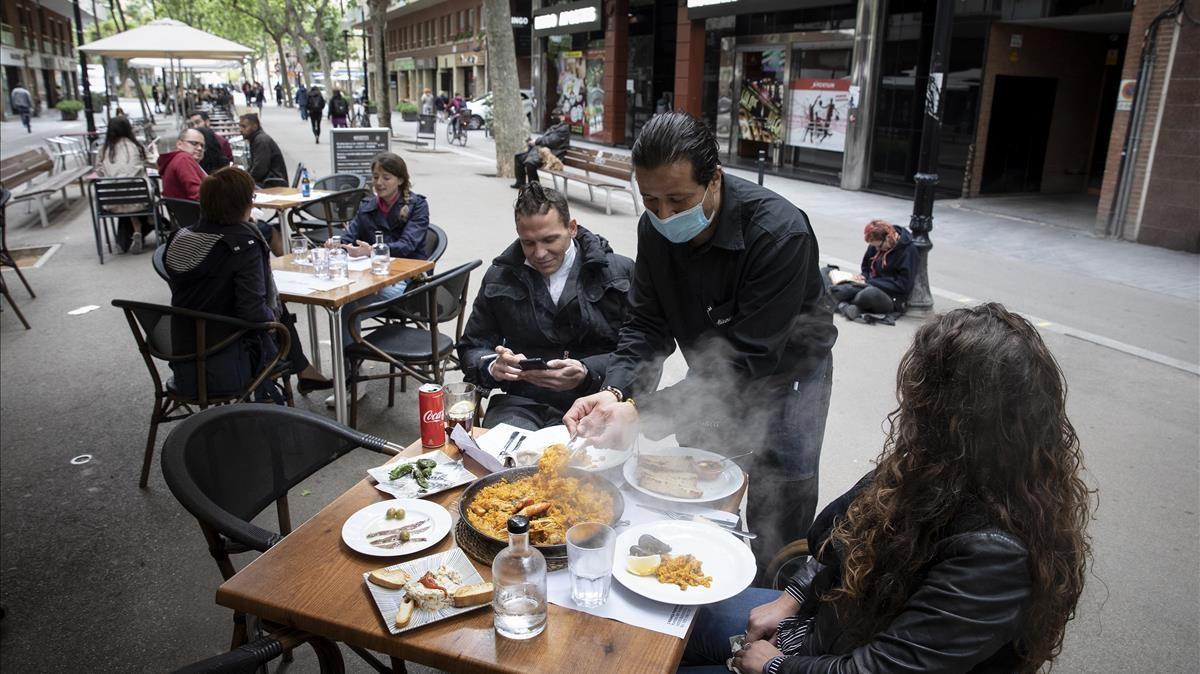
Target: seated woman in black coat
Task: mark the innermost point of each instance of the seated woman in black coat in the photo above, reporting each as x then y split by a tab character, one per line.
222	266
963	551
888	269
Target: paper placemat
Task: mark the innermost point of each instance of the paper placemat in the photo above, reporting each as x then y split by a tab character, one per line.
624	606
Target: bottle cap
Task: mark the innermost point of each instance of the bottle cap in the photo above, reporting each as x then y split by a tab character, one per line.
518	524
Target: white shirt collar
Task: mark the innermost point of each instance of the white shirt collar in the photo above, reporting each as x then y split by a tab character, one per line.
558	280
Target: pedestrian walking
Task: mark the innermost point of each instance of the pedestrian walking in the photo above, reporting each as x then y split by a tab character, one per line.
302	101
427	102
279	95
339	110
316	105
258	95
156	93
22	104
439	104
246	91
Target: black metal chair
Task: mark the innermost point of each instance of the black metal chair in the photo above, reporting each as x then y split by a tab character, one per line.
416	348
248	658
340	182
7	260
182	336
183	213
435	243
297	176
327	216
116	192
226	465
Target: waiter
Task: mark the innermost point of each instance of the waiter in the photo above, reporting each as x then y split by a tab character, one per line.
727	271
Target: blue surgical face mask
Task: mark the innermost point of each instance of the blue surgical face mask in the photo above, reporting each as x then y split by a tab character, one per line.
684	225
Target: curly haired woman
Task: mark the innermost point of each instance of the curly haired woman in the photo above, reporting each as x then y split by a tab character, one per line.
963	551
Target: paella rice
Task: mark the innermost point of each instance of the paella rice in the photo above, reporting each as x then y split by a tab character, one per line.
682	570
552	501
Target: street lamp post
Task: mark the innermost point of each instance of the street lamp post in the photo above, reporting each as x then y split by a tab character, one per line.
926	177
349	76
83	63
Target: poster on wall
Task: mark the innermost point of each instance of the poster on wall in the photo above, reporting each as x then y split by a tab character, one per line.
572	88
760	105
593	112
818	114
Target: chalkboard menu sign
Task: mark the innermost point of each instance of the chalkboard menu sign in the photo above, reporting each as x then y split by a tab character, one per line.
353	149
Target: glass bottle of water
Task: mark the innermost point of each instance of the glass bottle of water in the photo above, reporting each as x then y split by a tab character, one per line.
381	256
305	185
519	579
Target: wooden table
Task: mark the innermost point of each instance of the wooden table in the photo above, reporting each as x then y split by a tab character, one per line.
313	582
285	198
362	283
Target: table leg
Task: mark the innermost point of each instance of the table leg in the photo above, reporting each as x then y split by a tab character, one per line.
314	340
285	232
339	364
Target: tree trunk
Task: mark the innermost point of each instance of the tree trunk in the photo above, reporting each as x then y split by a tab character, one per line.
508	121
298	47
382	92
327	65
287	85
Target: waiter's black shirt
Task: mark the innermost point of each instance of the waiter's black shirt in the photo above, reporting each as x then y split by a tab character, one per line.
748	308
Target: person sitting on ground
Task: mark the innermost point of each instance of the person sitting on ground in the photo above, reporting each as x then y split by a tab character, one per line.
122	156
217	152
266	160
557	293
964	550
180	170
316	107
556	139
395	210
221	266
888	270
339	110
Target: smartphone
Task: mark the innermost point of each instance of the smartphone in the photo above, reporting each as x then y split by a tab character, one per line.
533	364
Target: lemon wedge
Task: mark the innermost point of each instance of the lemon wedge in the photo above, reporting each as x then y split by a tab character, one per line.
643	566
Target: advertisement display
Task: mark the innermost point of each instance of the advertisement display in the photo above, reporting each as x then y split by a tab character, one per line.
572	87
760	104
819	110
593	112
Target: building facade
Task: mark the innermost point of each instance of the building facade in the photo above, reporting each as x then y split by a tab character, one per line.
37	50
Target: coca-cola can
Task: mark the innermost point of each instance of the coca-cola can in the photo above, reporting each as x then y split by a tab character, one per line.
432	399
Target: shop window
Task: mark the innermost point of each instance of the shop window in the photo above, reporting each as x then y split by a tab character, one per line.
7	37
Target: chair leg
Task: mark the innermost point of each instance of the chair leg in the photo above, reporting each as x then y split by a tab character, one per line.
24	282
13	304
391	386
239	631
353	396
154	421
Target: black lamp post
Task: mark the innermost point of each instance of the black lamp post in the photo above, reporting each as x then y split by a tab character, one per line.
349	78
921	222
83	63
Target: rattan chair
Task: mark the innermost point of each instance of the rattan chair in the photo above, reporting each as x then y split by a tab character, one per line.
248	658
416	348
226	465
322	219
191	338
160	263
183	213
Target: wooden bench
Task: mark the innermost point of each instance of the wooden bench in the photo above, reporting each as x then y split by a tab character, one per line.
31	175
583	163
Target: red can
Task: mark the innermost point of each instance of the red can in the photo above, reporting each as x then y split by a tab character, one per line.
432	400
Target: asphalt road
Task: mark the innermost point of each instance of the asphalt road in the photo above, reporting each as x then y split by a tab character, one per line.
97	575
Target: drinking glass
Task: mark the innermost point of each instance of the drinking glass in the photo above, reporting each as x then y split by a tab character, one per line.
590	548
320	262
460	406
338	261
299	247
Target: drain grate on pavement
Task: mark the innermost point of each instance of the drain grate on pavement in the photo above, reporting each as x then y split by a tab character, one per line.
32	257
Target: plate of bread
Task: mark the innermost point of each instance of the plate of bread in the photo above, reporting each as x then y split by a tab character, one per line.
683	474
427	590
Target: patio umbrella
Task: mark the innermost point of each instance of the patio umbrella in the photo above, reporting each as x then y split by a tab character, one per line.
199	65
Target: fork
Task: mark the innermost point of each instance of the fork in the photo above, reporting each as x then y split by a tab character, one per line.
684	517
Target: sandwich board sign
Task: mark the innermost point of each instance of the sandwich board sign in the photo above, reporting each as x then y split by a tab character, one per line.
353	150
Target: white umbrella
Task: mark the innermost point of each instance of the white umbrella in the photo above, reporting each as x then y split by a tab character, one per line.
200	65
169	39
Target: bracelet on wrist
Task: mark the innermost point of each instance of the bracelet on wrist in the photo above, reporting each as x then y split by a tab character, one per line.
615	391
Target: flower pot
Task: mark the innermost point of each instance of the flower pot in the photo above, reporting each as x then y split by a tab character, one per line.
69	115
409	116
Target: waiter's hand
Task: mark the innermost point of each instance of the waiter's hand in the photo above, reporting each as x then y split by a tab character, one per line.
606	422
559	375
507	366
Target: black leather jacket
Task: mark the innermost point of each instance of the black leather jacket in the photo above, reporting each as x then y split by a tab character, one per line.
964	615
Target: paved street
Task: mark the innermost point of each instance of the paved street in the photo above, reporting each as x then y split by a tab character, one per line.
125	574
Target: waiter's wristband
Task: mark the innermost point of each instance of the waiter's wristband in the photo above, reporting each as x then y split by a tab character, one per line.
616	392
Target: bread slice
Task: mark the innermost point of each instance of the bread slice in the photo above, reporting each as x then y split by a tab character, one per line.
404	613
472	595
667	464
391	579
677	484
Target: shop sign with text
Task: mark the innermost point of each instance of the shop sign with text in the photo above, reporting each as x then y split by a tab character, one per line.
573	17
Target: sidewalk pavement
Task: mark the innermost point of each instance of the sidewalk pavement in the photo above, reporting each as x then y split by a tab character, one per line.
86	536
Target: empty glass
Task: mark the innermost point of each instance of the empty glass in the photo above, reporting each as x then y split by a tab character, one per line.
590	548
338	261
320	262
299	248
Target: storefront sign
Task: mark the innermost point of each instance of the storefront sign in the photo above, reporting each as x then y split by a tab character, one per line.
818	114
426	63
12	57
705	9
520	21
353	150
1125	94
406	63
475	58
574	17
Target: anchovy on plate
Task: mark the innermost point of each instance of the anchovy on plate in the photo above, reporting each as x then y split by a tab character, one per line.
411	528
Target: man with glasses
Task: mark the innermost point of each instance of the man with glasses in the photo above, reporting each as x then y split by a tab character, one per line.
180	169
217	152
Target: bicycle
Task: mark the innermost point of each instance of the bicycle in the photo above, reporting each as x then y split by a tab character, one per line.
456	129
358	116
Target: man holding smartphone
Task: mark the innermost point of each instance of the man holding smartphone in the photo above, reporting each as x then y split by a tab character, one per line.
547	315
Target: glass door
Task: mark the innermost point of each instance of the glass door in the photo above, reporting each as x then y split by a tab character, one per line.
818	102
759	109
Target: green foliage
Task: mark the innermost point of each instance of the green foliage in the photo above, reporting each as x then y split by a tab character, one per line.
69	105
407	107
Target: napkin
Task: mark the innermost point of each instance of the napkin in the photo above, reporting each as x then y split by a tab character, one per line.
467	444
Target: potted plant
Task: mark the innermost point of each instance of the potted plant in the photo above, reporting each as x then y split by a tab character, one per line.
408	110
69	108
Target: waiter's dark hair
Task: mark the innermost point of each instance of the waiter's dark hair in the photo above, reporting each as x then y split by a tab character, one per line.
225	195
674	136
537	200
252	118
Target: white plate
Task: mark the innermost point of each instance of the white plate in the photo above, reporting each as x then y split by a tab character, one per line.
725	558
725	484
388	601
447	475
537	441
374	518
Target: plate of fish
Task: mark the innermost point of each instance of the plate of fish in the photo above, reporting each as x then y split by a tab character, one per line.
396	527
